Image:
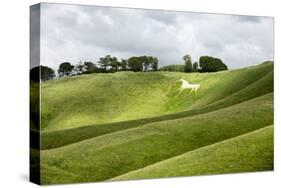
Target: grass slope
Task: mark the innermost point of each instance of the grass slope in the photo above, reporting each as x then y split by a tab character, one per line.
52	139
108	98
114	154
246	153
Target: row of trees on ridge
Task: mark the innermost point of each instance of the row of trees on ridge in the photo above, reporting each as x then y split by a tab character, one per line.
109	64
207	64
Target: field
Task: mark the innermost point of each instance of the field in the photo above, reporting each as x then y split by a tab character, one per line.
126	125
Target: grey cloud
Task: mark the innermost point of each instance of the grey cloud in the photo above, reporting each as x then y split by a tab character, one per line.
73	33
251	19
164	17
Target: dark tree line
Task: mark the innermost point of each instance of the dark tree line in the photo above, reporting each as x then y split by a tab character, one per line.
136	64
206	64
105	64
109	64
143	63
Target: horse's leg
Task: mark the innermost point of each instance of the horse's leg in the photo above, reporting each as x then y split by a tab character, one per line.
181	89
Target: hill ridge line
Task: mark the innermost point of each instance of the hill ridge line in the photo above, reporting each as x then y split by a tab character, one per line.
195	150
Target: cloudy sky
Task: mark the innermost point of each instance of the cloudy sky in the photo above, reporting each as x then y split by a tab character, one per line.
73	33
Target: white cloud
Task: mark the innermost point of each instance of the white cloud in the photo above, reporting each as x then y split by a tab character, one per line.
73	33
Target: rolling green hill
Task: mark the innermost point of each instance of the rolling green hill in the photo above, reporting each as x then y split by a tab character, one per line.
51	139
107	156
218	158
135	125
106	98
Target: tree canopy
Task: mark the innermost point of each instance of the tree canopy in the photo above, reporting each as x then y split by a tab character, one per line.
65	69
195	67
47	73
211	64
187	63
135	64
154	65
143	63
90	67
124	65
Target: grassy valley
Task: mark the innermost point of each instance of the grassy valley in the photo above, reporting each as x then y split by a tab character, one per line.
126	125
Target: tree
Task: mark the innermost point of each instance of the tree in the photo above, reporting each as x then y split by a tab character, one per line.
149	63
114	63
146	61
80	68
211	64
65	69
104	62
47	73
187	63
135	64
155	64
34	74
90	67
124	64
195	67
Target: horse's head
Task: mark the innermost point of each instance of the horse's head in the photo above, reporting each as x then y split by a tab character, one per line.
183	81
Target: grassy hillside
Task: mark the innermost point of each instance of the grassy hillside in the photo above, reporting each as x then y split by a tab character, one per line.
51	139
135	125
106	98
230	156
113	154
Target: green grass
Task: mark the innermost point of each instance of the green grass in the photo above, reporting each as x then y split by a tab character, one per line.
135	125
34	105
229	156
104	157
107	98
51	139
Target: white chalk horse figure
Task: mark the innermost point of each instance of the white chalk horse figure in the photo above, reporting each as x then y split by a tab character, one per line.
187	85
